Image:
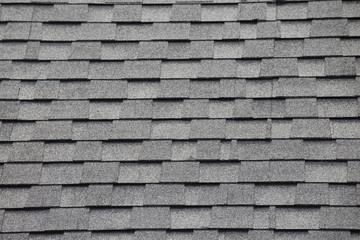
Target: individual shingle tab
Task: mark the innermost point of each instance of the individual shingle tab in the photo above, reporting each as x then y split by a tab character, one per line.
100	13
292	11
201	49
27	151
99	172
173	31
339	217
256	129
150	217
35	221
345	87
190	218
185	12
248	68
297	218
300	107
131	129
85	50
204	89
109	219
98	130
326	171
312	194
167	109
54	51
69	109
180	172
76	69
289	171
232	217
228	49
73	196
183	69
208	149
207	128
53	130
21	173
170	129
13	12
133	31
279	67
121	151
321	9
119	51
342	194
143	89
205	31
9	110
329	27
167	194
295	29
219	13
310	128
30	70
208	194
13	197
178	50
44	196
64	173
350	9
142	69
345	149
320	150
12	50
219	172
268	29
156	150
253	11
128	195
322	47
344	66
240	193
258	48
275	194
60	32
97	31
17	31
127	13
140	173
136	109
345	128
155	13
108	89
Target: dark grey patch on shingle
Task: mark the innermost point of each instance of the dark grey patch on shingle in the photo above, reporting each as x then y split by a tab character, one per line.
255	129
91	130
202	49
73	196
329	27
275	194
85	50
221	13
339	218
320	9
258	48
143	89
232	217
219	172
21	173
44	196
342	195
152	49
207	128
9	109
74	90
297	218
150	217
206	31
104	110
54	51
88	150
35	220
337	87
346	149
131	129
240	194
183	150
190	218
30	70
320	150
326	171
268	29
344	66
136	109
99	195
279	67
71	70
13	12
170	129
17	31
121	151
53	130
140	173
208	149
64	173
106	70
100	13
248	68
205	194
134	31
155	13
287	171
243	108
156	150
109	219
167	194
178	50
67	219
27	151
183	69
198	108
173	31
12	50
253	11
218	68
128	195
22	131
34	110
167	109
13	197
108	89
46	89
292	11
180	172
69	109
127	13
204	89
311	128
301	107
312	194
295	29
231	49
97	31
186	12
100	172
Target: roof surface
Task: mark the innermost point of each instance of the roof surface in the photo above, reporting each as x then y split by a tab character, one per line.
169	120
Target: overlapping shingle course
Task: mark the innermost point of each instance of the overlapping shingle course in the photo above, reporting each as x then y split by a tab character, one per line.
179	120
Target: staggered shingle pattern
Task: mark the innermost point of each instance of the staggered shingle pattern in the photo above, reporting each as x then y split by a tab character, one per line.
169	120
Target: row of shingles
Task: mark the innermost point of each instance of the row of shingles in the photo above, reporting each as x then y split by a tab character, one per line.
218	217
313	47
180	109
180	129
180	172
187	235
180	12
178	31
155	69
258	194
205	150
173	89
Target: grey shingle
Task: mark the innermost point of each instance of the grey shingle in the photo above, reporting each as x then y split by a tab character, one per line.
320	150
140	173
44	196
150	217
100	172
167	109
167	194
353	171
98	130
99	195
329	27
339	217
85	50
268	29
107	235
73	196
205	194
27	90
337	87
6	69
109	219
171	31
183	69
275	194
322	47
301	107
342	194
34	110
207	128
350	47
258	48
134	31
127	13
344	66
279	67
155	13
289	171
338	107
178	50
248	68
201	49
143	89
142	69
35	220
72	70
297	218
69	110
54	51
46	89
232	88
329	234
251	150
87	150
108	89
184	218
152	49
60	32
310	128
219	172
17	31
53	130
136	109
32	50
345	128
292	11
22	131
156	150
206	31
117	51
13	197
74	89
346	149
204	89
12	50
208	149
29	70
254	171
326	171
205	234
131	129
350	9
128	195
104	110
9	109
312	194
248	30
5	131
5	152
150	235
64	173
13	12
240	194
183	150
280	128
227	49
255	129
21	173
243	108
100	13
331	9
253	11
121	151
106	70
27	151
170	129
232	217
97	31
295	29
264	108
14	236
186	12
180	172
219	12
198	108
67	219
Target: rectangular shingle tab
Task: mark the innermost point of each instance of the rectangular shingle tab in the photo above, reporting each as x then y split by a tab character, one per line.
180	172
297	218
326	171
